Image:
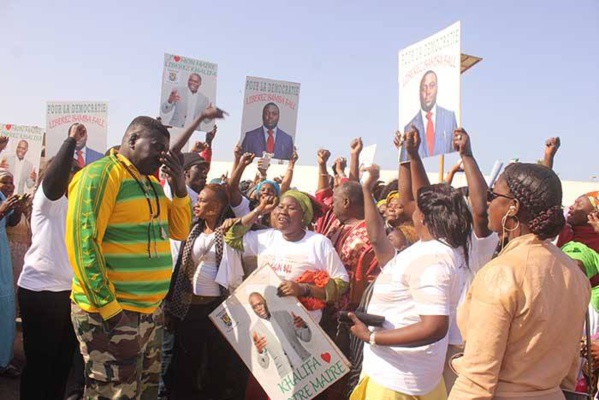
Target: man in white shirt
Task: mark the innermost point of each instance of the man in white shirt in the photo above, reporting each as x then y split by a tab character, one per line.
187	102
275	335
22	169
45	285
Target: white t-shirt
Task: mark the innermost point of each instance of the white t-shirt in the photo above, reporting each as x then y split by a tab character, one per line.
421	280
192	99
204	254
314	252
46	264
480	252
243	208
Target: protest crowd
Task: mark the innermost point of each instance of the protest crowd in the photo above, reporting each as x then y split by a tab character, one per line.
484	290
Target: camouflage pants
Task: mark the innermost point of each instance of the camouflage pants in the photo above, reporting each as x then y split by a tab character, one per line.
123	363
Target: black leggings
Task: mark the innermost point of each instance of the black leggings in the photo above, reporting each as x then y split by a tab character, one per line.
204	365
49	342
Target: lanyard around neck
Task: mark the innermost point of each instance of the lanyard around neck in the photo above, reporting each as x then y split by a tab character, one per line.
153	215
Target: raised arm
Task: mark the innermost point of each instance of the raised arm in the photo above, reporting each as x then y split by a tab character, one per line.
286	183
237	153
477	186
551	147
209	113
375	226
323	176
419	177
207	152
234	192
458	167
267	204
339	166
354	161
56	179
179	213
404	179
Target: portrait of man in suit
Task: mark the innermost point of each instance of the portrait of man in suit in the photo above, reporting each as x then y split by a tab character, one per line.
269	137
187	102
84	155
24	174
434	123
276	336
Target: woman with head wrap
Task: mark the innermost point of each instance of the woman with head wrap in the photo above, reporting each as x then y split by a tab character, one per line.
578	228
395	213
290	248
11	207
524	313
306	262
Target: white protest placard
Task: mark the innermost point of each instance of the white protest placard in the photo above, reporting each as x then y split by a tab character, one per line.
286	351
367	155
21	154
269	120
188	88
367	158
429	90
60	115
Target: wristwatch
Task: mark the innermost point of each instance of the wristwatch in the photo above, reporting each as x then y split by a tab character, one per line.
372	338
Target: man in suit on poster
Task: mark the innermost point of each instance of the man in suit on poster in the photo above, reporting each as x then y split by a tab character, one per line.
23	172
275	335
83	154
269	137
187	102
435	123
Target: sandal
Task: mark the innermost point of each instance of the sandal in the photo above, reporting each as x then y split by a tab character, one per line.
10	372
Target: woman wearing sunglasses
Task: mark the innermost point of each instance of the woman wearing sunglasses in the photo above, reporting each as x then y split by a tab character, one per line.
523	316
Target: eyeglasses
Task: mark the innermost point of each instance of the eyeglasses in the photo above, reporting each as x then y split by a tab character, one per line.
491	195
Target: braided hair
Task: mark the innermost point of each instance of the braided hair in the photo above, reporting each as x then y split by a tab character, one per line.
446	215
539	191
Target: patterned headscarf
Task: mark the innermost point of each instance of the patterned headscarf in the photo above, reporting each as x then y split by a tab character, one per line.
594	199
274	184
391	196
305	204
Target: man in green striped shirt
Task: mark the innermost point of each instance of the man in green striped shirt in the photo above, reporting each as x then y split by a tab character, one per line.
118	225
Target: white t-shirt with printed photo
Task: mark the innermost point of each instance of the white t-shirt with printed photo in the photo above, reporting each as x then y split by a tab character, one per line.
421	280
314	252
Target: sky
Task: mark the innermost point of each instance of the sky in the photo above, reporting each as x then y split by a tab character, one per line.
538	77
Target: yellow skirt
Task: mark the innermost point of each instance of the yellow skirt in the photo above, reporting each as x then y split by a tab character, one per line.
369	390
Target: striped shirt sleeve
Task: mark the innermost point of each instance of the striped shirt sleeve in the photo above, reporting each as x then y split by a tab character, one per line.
179	217
92	197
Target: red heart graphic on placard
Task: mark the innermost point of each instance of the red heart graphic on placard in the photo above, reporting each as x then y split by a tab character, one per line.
8	126
177	58
326	357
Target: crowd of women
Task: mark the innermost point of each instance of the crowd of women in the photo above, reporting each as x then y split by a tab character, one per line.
484	290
